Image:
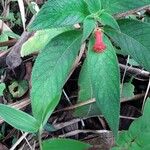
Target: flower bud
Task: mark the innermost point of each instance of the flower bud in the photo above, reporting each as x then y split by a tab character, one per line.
99	45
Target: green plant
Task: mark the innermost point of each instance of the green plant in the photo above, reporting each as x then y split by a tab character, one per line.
2	87
137	137
60	51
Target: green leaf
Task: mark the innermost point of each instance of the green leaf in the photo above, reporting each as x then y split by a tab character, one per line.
107	19
18	119
140	129
147	147
120	6
65	144
147	18
89	110
138	30
138	135
133	62
123	137
40	40
141	123
131	46
122	141
2	87
56	13
50	108
86	93
135	146
51	70
128	90
48	127
102	84
89	25
94	5
11	34
143	138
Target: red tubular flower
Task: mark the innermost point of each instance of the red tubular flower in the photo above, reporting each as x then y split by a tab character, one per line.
99	45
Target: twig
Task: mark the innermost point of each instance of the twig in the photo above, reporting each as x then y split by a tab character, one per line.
8	43
76	106
72	133
18	141
64	124
136	97
27	142
77	61
135	71
3	53
126	117
13	59
146	94
124	74
121	15
68	123
67	98
21	104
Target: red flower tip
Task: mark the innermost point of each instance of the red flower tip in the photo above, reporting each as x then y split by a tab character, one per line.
99	45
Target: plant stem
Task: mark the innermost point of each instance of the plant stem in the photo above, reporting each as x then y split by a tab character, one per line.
40	139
